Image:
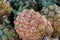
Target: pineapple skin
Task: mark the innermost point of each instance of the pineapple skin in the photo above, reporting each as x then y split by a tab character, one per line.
52	13
6	30
7	33
4	7
30	25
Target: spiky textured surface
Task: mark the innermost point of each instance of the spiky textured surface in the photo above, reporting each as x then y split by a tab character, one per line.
30	25
6	30
7	33
52	13
4	7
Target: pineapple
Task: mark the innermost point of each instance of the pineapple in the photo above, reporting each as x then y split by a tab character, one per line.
52	13
31	25
6	31
4	7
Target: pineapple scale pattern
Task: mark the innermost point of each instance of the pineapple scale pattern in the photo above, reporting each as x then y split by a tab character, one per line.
4	7
52	13
30	25
6	32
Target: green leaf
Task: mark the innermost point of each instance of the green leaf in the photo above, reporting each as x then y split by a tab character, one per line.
21	8
14	11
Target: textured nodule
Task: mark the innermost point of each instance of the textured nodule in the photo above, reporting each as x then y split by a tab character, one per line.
52	13
31	25
4	7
